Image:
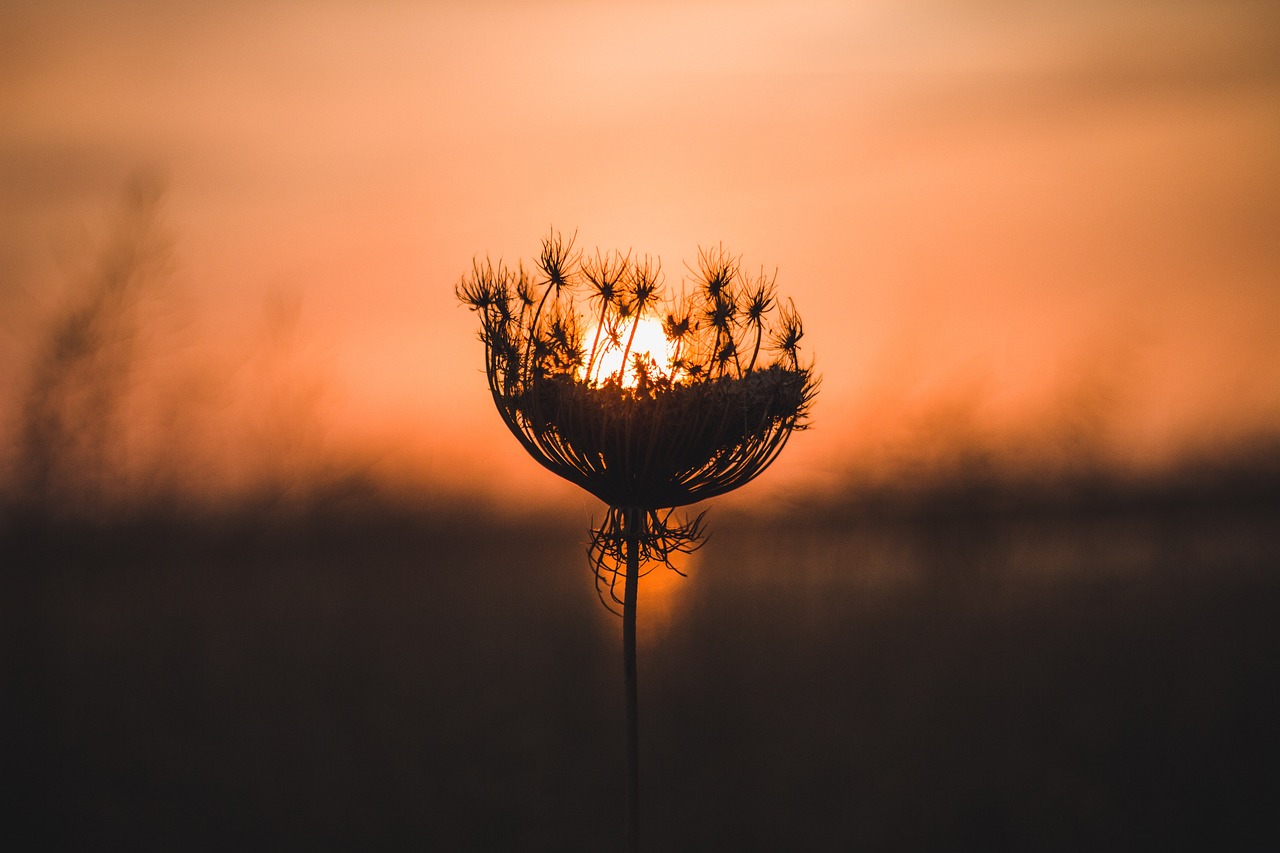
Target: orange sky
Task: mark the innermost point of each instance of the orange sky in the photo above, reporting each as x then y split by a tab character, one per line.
1003	212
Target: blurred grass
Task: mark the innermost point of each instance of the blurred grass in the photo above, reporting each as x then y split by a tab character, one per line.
950	678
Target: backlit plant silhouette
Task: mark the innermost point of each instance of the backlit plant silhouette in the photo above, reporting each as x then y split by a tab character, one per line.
648	400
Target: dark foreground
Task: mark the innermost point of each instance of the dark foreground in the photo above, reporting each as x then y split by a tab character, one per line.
1084	680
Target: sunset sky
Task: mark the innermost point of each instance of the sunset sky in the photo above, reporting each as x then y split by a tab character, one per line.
1007	215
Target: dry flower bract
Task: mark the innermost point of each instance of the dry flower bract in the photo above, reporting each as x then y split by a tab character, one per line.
643	431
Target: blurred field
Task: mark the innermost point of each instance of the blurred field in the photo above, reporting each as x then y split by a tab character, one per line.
944	677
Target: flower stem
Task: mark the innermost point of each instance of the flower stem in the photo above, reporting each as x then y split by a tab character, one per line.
622	371
591	360
634	521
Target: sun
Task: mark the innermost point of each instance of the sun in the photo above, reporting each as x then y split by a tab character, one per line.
649	343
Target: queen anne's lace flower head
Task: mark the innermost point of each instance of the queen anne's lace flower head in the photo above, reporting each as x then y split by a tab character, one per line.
580	386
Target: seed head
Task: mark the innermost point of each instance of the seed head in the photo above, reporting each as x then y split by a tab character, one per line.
760	300
717	271
645	286
642	439
558	259
676	328
604	275
786	338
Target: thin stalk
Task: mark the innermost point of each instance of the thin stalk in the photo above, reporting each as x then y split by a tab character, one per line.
533	327
715	354
591	360
634	521
635	321
756	350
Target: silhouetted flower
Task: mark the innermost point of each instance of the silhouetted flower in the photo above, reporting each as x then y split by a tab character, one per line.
645	431
648	431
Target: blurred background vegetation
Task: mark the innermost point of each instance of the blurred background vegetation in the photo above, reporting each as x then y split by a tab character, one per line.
223	629
273	575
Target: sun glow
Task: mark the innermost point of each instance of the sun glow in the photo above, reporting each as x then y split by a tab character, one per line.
649	344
